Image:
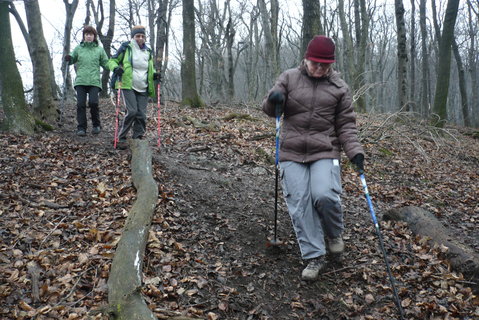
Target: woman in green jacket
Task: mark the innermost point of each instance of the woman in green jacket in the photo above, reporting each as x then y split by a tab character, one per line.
133	72
88	57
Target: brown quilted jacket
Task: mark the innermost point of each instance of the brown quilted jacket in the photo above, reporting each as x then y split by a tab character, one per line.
319	120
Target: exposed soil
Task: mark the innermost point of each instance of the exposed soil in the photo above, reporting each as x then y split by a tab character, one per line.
64	200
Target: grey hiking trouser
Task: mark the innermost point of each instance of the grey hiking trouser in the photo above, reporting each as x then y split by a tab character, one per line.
312	193
135	103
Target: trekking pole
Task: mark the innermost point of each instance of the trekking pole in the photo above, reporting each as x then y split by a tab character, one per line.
376	226
117	114
275	241
159	114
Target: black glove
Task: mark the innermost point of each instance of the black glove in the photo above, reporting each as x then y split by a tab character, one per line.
276	97
118	71
358	161
157	76
68	58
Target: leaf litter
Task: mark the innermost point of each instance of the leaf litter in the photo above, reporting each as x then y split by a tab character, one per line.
64	200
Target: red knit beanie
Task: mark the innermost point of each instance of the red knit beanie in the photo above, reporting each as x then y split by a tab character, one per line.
320	49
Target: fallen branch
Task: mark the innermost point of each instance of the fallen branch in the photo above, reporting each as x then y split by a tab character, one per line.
421	222
125	280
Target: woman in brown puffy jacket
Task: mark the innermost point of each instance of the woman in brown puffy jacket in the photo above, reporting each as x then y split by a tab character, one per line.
318	122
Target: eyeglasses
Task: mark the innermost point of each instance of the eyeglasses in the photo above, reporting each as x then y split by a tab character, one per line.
315	64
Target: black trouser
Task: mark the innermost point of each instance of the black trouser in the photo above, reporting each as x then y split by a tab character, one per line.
92	92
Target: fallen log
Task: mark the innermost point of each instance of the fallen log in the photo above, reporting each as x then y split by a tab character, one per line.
125	279
423	223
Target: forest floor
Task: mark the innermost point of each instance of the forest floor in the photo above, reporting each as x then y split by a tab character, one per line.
64	199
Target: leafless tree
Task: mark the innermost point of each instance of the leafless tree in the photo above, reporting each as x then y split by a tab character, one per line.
444	65
17	117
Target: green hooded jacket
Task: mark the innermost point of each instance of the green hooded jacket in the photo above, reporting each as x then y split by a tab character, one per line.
123	58
88	56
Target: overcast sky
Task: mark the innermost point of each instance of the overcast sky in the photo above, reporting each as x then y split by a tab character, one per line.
53	20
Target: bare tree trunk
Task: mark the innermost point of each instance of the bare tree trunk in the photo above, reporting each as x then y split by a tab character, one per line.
106	39
462	84
444	65
125	280
275	38
311	24
230	36
412	69
473	69
401	55
188	74
362	32
269	46
26	36
252	57
43	75
425	60
17	117
70	9
349	63
162	25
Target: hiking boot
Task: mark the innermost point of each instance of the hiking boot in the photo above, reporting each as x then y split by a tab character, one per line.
96	130
314	267
336	245
81	132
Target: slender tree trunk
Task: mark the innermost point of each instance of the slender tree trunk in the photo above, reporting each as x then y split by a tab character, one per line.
70	9
188	74
106	39
473	69
425	60
444	66
162	23
349	63
43	105
362	39
462	84
412	69
269	46
311	25
275	38
17	117
401	55
230	36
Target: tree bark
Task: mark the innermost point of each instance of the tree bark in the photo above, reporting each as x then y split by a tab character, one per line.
43	76
349	63
412	69
162	30
106	39
125	280
70	9
421	222
444	65
401	55
269	45
473	70
189	91
17	117
311	25
425	60
462	84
